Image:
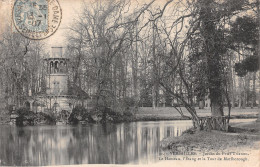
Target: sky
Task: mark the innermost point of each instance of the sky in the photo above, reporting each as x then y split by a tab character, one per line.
70	11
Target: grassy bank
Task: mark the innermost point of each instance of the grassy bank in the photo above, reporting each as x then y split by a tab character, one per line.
170	113
244	136
159	117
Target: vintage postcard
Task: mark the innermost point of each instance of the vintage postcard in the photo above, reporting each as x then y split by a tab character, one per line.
130	82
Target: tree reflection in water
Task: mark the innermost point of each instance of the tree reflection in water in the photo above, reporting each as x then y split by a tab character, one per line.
135	143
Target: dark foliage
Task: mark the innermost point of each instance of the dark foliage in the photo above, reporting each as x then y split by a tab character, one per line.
244	30
129	101
80	113
249	64
240	69
108	115
145	96
25	117
45	118
10	108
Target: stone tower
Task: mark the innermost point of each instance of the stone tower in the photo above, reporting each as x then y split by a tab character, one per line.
57	73
59	95
56	96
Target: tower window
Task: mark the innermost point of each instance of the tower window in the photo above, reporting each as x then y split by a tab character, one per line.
56	67
61	66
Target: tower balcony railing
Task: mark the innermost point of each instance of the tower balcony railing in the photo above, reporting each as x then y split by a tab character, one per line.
58	71
56	91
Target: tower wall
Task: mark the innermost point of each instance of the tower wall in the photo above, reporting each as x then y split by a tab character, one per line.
57	84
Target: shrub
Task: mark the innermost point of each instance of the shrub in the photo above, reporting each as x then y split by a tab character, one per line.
79	113
129	101
46	118
10	108
24	115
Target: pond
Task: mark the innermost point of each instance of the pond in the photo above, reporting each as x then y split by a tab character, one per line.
135	143
125	143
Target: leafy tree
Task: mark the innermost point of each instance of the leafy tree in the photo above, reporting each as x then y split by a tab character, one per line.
244	32
249	64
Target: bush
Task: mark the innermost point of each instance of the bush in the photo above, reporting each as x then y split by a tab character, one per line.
129	102
80	113
10	108
122	111
46	118
128	113
25	117
109	115
128	106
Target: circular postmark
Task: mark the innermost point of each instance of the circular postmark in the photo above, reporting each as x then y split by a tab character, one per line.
36	19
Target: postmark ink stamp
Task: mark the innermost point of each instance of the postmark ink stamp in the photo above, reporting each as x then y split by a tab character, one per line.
36	19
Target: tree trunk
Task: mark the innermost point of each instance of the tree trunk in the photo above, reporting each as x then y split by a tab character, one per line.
125	77
189	108
234	92
154	97
240	92
209	32
134	75
216	109
201	104
253	99
230	81
114	85
258	49
245	90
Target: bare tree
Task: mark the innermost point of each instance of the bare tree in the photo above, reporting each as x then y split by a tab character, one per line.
20	64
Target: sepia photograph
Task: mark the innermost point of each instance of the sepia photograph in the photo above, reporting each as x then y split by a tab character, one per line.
130	83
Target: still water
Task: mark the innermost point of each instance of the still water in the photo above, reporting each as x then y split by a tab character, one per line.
134	143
